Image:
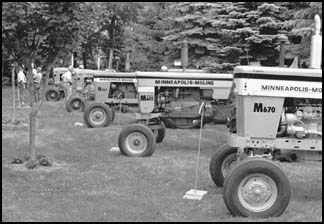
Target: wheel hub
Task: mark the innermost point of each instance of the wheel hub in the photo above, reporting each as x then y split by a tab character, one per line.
257	191
97	114
136	142
76	105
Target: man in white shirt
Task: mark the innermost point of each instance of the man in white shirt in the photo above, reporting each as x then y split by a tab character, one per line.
67	82
22	81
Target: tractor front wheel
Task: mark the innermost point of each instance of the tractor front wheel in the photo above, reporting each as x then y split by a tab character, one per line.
52	95
98	115
256	187
75	103
136	140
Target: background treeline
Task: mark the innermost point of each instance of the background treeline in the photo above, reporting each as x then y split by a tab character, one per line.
220	35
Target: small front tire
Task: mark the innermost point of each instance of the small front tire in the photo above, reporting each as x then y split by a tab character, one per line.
52	95
98	115
256	187
136	140
75	103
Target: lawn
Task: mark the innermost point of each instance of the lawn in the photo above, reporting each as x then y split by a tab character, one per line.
88	182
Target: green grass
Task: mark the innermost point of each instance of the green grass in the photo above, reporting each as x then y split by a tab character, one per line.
89	183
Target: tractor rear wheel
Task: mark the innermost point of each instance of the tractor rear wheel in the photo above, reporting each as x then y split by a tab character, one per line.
256	187
52	94
75	103
98	115
221	162
136	140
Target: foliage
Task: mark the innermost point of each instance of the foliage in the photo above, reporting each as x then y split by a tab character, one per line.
302	29
143	39
40	31
220	33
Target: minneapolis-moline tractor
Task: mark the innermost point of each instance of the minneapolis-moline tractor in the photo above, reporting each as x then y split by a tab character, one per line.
173	98
102	88
110	91
82	79
277	110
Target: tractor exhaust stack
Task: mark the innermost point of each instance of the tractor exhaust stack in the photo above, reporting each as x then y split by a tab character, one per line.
316	46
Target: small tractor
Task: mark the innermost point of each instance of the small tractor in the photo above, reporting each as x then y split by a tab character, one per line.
277	110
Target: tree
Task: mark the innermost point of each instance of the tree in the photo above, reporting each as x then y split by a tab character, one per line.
220	33
143	38
38	30
301	29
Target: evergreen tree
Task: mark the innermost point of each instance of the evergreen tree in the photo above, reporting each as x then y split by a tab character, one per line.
221	33
302	29
143	38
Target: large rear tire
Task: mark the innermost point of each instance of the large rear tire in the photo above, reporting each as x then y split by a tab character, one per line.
136	140
256	187
98	115
221	162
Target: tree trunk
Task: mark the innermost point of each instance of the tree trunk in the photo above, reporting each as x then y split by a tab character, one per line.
112	40
75	59
111	55
33	112
13	121
32	131
84	56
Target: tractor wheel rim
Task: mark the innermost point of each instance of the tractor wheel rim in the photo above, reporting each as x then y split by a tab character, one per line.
98	116
76	105
228	163
52	95
136	142
257	192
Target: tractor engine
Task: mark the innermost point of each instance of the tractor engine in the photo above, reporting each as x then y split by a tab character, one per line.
181	104
175	98
301	121
122	90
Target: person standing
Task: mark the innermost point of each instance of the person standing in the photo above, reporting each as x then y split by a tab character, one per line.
22	81
67	83
37	83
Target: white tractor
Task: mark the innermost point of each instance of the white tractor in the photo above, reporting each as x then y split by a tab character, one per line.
278	110
174	99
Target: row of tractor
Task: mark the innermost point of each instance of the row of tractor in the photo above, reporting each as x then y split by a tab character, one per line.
269	111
